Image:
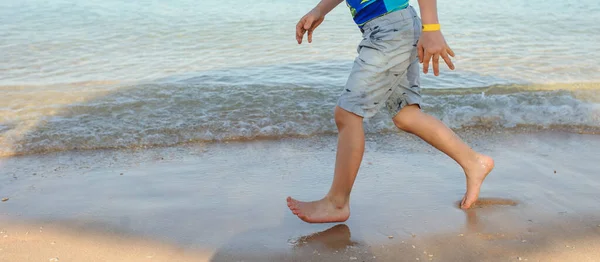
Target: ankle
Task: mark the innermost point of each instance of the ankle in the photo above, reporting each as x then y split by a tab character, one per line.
476	163
473	163
340	201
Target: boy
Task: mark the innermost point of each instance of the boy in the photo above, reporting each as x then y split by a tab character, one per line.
386	72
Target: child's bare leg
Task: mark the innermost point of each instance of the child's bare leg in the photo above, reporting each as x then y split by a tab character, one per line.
334	207
476	166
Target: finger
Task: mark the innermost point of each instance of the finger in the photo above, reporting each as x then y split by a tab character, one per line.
449	50
436	65
312	29
447	60
308	27
300	30
420	51
426	59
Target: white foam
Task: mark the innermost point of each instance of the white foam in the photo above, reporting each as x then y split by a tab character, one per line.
142	116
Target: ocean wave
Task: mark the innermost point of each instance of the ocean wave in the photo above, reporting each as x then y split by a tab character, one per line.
175	113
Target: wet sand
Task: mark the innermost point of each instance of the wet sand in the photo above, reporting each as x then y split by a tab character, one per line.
226	202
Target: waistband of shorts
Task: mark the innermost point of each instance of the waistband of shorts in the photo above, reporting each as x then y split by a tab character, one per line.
390	18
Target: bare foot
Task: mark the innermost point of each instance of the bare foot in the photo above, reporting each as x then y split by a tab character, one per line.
476	173
322	211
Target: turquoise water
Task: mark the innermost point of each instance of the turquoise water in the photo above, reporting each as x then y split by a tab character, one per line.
94	74
58	41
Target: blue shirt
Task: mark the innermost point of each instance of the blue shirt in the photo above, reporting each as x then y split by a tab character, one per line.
364	11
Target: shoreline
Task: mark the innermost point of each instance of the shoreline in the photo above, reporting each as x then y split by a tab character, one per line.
463	131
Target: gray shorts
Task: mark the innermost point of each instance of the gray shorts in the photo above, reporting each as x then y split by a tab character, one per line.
386	71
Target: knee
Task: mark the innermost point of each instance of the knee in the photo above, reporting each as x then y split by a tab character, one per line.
402	123
344	118
406	118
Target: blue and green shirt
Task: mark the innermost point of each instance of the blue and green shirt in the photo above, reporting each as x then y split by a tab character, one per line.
364	11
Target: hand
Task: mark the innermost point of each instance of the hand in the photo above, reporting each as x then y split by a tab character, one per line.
431	46
308	22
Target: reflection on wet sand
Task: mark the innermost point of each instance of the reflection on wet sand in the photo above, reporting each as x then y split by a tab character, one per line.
335	238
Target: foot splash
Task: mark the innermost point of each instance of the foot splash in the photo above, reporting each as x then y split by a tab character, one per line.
475	176
322	211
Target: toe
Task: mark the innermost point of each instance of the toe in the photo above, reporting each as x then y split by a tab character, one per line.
292	201
469	201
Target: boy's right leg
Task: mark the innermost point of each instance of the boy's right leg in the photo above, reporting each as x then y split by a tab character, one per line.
410	118
334	207
475	165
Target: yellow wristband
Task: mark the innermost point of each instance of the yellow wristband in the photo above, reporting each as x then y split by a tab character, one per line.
431	27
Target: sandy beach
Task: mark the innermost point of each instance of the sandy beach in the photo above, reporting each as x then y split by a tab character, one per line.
175	130
226	202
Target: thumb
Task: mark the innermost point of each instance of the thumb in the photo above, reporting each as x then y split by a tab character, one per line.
420	51
308	23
